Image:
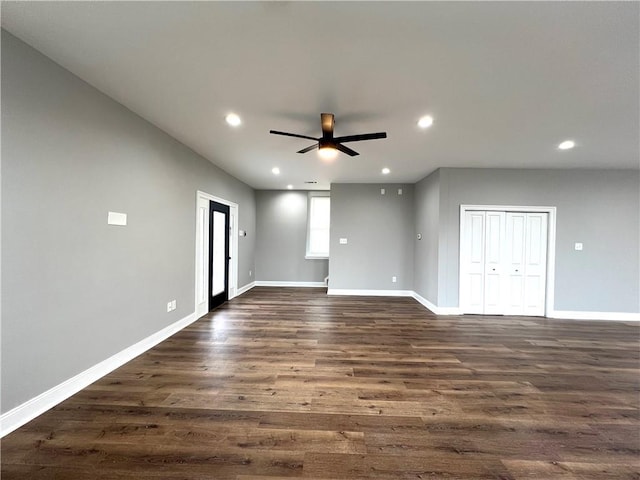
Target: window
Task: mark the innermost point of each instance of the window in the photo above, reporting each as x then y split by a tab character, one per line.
318	221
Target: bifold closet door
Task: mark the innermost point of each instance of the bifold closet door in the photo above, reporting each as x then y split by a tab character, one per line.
526	263
503	263
482	279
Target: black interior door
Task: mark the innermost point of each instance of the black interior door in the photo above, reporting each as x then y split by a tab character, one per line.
218	254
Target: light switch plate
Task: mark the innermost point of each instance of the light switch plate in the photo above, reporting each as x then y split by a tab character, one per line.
343	241
578	246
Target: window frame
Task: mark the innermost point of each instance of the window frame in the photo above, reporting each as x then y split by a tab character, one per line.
315	255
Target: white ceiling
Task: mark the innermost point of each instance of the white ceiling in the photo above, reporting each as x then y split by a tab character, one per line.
506	82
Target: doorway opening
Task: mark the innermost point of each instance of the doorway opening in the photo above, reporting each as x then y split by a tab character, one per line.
219	233
216	252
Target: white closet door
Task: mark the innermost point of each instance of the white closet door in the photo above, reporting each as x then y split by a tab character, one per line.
494	274
503	262
515	263
535	263
525	263
472	262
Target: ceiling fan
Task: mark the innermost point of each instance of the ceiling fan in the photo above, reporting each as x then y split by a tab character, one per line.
328	142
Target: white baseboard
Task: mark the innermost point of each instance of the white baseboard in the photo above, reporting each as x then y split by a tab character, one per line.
29	410
578	315
370	293
396	293
245	289
559	314
434	308
278	283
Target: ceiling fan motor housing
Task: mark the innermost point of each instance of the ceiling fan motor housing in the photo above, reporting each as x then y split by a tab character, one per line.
326	143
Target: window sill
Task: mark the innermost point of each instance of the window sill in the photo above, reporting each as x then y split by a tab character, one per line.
316	257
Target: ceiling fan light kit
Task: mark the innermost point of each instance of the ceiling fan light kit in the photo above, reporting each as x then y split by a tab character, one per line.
327	152
327	143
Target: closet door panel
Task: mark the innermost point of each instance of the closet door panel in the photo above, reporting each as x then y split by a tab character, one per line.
514	263
494	277
535	263
472	261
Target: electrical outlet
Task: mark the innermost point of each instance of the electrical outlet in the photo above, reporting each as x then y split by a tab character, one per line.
399	191
394	279
173	305
169	307
250	272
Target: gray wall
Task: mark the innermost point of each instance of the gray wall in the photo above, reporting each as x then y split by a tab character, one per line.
427	223
74	290
599	208
379	229
281	231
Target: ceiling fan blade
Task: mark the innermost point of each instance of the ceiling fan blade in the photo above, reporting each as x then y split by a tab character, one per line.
327	124
275	132
308	149
364	136
346	150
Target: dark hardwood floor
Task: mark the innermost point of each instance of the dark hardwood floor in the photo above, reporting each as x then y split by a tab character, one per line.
282	383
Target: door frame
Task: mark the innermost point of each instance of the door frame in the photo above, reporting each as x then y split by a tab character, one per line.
202	251
551	245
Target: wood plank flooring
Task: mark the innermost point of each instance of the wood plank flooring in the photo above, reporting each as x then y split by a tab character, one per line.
289	383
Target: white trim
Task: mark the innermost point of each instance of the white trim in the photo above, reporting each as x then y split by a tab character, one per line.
435	309
578	315
508	208
30	409
246	288
278	283
558	314
370	293
551	245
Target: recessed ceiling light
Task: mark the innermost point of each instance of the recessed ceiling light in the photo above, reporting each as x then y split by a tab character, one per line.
289	187
425	122
567	144
275	171
233	119
386	171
